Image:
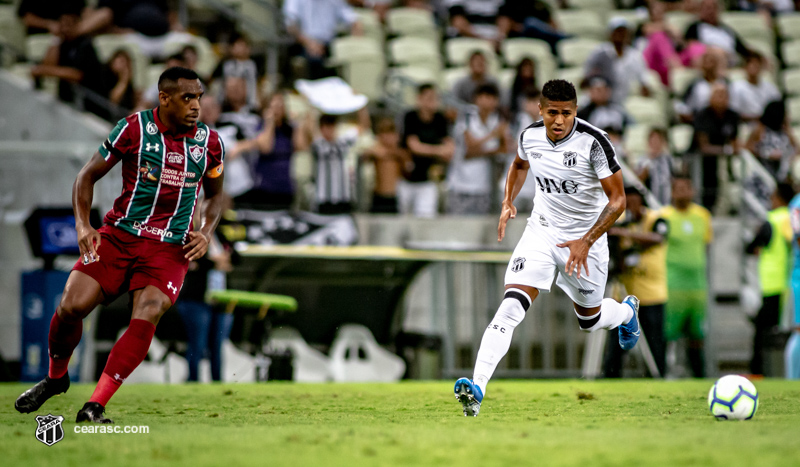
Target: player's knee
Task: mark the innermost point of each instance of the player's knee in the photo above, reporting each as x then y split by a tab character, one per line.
70	309
588	323
151	309
513	307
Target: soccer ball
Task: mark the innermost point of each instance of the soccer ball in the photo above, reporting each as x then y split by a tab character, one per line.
733	397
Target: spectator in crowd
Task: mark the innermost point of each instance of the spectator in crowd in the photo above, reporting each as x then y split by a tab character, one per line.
528	113
772	243
772	141
473	18
149	23
615	136
751	95
149	98
237	111
656	169
643	242
207	327
601	111
277	141
690	233
73	60
524	79
619	63
391	161
313	24
716	129
240	65
119	80
485	136
528	18
426	136
710	31
698	94
792	352
464	88
41	17
663	43
237	170
190	57
334	194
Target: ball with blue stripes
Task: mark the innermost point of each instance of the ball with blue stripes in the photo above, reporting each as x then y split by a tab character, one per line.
733	397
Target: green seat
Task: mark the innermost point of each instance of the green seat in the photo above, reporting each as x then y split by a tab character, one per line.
263	301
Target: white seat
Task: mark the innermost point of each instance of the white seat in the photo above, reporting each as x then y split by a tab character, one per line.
789	25
635	138
572	74
505	78
206	57
451	75
459	49
680	138
793	108
791	81
575	51
600	6
12	31
634	17
411	22
681	78
36	46
362	62
397	85
417	51
791	53
356	356
370	23
107	45
747	25
582	23
680	20
349	48
515	49
646	111
309	364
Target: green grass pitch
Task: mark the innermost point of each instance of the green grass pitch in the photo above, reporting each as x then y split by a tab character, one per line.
548	423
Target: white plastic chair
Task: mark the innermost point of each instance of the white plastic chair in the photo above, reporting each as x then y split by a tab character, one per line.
356	356
310	365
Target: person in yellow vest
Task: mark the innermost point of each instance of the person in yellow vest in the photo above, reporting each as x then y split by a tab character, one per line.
645	275
690	233
772	243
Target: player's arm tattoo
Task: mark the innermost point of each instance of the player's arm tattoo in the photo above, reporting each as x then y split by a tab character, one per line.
615	190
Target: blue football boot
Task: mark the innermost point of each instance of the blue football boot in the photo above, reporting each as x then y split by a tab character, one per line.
470	396
629	333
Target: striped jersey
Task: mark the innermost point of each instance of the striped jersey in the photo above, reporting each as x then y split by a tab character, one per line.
162	173
567	173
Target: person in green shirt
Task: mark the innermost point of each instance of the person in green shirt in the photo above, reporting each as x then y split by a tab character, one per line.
772	243
690	233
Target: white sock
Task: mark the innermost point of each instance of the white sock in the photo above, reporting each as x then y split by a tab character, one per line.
611	315
497	337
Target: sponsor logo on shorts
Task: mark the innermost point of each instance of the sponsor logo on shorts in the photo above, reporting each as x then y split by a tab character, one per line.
151	128
570	159
49	430
586	292
196	152
533	155
151	230
518	264
175	158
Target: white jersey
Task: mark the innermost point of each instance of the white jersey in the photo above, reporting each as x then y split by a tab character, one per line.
567	174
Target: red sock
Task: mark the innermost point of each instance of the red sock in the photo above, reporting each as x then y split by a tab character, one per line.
126	355
63	338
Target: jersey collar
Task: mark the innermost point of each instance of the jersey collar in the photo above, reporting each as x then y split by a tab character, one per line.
163	128
564	139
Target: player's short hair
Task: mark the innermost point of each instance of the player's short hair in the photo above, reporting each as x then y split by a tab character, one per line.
488	89
559	90
785	192
168	81
424	87
328	120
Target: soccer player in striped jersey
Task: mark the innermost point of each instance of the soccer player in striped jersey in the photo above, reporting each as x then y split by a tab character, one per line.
147	240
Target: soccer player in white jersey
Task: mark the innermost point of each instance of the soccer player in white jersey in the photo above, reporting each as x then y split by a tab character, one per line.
579	196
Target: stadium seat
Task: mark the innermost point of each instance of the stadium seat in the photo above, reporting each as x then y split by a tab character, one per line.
415	51
791	53
362	63
416	74
348	48
680	20
514	50
36	46
575	51
680	138
738	74
747	25
791	81
356	356
789	26
646	111
451	75
600	6
206	58
459	49
12	32
108	44
634	17
582	23
572	74
635	139
309	364
681	78
370	23
793	107
505	77
412	22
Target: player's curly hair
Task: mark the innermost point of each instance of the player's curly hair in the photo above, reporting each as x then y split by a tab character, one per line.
559	90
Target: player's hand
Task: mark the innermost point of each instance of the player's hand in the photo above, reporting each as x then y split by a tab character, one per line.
197	246
578	253
509	212
88	242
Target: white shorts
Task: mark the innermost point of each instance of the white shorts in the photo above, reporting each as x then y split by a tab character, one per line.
537	260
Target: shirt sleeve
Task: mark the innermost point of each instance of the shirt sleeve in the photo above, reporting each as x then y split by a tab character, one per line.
761	239
604	158
216	155
122	141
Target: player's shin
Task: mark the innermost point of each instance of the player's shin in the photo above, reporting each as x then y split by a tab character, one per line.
129	351
497	337
611	315
64	336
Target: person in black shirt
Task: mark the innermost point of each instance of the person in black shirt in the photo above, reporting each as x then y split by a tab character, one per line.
528	18
41	16
716	129
426	136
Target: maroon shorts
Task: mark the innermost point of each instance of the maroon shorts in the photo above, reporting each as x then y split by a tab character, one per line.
129	263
